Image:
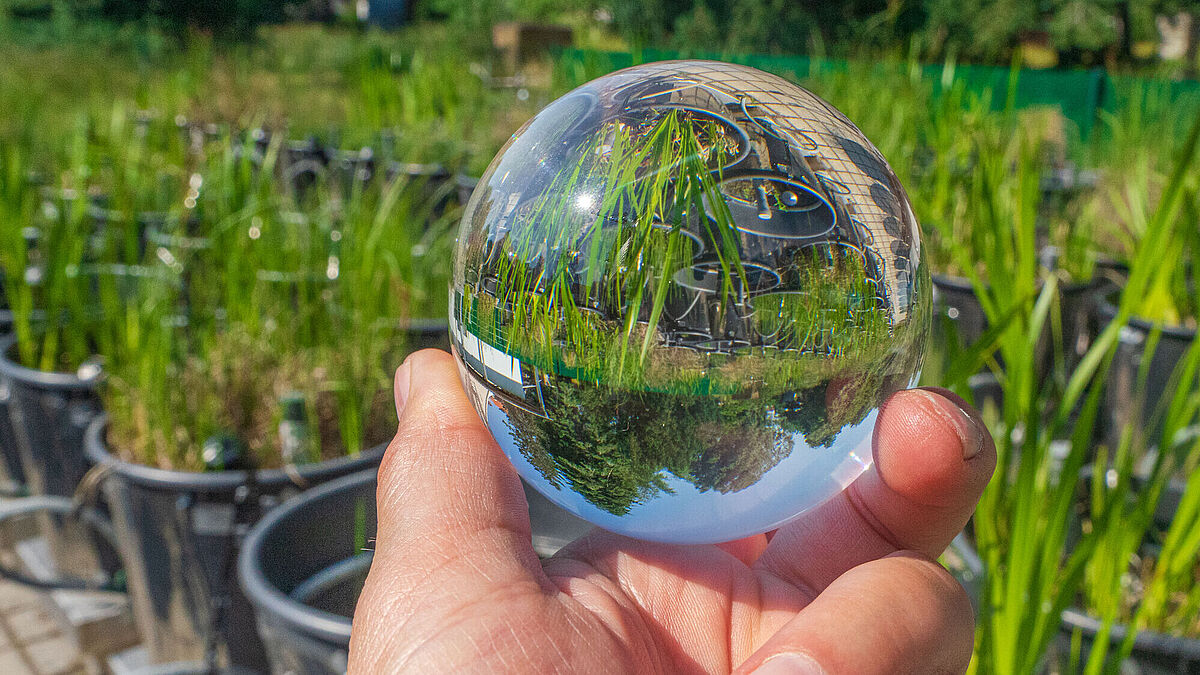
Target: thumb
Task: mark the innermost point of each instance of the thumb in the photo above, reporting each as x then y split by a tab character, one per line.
453	526
443	476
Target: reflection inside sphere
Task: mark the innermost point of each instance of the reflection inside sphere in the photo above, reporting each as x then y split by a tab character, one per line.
681	293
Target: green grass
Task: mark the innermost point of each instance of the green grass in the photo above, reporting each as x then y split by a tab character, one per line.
203	334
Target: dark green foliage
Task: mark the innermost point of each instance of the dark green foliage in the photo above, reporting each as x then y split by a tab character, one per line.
228	18
760	26
805	412
616	448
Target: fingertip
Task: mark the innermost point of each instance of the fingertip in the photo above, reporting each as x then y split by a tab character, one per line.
443	470
424	361
435	391
933	448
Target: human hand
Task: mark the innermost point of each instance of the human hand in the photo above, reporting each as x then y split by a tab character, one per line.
850	587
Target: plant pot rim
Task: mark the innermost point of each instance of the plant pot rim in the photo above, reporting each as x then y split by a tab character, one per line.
38	378
1144	640
1108	311
419	324
952	281
421	169
188	668
265	596
172	480
964	285
1174	484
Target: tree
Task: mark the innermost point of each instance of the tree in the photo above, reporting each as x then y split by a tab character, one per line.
617	448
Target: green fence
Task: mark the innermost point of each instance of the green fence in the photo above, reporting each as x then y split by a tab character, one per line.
1079	94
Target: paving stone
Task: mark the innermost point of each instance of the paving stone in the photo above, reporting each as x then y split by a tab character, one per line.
55	655
14	596
31	624
11	663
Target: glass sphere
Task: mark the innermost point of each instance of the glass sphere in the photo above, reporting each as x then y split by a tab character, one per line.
681	293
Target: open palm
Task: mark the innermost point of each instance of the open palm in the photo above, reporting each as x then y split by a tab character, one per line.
849	587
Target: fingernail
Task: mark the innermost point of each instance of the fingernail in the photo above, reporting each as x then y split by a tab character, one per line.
969	431
790	664
401	387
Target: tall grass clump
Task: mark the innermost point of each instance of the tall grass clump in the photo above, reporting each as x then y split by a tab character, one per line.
286	296
1023	522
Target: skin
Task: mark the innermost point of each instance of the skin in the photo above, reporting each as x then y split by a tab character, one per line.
851	587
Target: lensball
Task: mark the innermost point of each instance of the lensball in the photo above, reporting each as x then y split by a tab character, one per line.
681	293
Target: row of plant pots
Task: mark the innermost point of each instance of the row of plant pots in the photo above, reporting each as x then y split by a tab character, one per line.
1153	653
961	312
166	228
170	537
1087	308
303	161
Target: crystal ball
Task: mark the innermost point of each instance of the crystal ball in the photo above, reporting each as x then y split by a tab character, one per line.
681	293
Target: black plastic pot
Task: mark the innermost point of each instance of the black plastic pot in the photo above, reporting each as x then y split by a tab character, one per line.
1153	653
178	534
465	185
427	334
49	414
433	180
961	317
986	390
1125	403
12	480
301	569
355	169
964	563
1076	304
957	307
303	164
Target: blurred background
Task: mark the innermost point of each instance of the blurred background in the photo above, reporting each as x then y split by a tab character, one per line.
224	224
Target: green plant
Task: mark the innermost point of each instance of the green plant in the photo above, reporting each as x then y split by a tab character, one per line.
284	293
1021	525
1124	581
